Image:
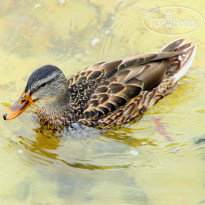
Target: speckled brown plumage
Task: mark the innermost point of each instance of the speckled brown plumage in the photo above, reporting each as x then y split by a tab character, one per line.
105	94
117	92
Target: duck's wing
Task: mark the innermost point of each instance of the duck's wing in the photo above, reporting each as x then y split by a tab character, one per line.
121	81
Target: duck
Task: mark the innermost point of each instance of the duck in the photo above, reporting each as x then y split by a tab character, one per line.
106	93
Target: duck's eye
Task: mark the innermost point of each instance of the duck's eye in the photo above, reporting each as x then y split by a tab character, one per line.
43	85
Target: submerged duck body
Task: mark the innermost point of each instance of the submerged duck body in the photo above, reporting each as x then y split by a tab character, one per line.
106	93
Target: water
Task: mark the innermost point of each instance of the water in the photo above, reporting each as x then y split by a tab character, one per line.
135	164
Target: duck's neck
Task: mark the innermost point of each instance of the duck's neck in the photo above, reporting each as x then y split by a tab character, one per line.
56	111
55	104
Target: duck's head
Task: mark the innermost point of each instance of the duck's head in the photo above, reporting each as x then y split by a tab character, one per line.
47	83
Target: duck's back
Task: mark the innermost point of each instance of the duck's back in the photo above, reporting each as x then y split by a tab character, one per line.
119	91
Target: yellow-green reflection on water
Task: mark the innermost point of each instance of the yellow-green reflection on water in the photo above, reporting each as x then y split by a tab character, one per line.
134	164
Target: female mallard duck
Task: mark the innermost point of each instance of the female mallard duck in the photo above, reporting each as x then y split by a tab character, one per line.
105	93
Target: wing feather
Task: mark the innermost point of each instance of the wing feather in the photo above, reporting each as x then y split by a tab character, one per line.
120	82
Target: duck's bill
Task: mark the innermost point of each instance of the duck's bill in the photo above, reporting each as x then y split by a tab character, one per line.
20	106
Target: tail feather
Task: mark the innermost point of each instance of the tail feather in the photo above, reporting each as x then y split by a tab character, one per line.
173	45
184	59
186	62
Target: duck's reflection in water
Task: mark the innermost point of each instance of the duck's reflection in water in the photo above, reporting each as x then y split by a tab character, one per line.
60	150
82	147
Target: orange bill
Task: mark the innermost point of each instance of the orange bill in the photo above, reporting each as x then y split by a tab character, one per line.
20	106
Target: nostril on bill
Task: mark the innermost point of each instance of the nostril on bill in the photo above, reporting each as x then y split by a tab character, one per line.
22	101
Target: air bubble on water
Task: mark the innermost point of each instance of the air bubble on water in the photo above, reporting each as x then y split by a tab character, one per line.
20	151
61	1
94	41
134	152
107	31
37	6
179	198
